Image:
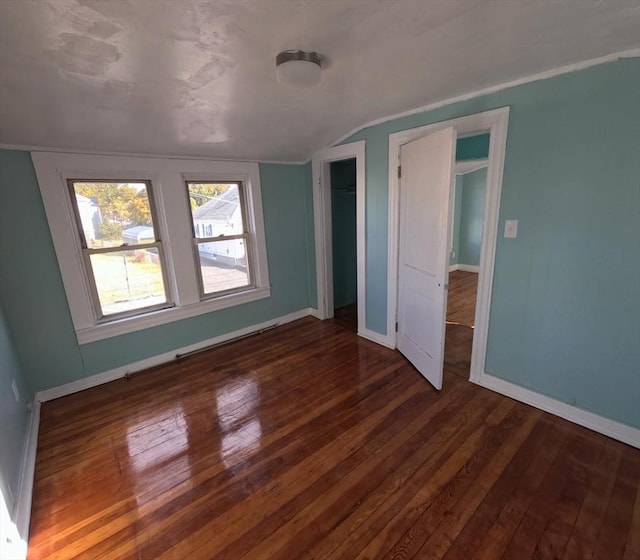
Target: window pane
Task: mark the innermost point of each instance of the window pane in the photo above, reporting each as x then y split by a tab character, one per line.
128	280
215	208
114	213
223	265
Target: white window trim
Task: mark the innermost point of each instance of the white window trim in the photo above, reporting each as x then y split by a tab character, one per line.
168	178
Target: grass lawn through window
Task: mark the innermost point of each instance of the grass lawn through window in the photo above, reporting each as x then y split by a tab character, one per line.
128	280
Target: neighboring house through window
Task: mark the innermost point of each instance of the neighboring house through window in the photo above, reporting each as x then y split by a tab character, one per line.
220	238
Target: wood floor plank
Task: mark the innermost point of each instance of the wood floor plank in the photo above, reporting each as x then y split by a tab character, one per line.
632	546
618	517
318	517
471	485
230	497
529	459
307	442
426	459
546	501
461	300
494	484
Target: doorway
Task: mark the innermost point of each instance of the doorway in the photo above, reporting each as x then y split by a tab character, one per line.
324	232
439	180
466	218
344	241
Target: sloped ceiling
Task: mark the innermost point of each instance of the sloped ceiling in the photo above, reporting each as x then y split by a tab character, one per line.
197	78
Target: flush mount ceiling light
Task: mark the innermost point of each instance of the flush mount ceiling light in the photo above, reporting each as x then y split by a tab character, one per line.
298	68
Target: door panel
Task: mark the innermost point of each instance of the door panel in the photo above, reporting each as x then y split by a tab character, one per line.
427	175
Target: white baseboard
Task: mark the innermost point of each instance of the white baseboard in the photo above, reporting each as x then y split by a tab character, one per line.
22	512
464	268
382	339
314	312
119	372
616	430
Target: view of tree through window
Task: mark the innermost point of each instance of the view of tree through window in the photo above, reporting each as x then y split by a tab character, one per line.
119	205
124	254
200	193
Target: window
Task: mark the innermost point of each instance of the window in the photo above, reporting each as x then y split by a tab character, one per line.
145	241
221	241
121	251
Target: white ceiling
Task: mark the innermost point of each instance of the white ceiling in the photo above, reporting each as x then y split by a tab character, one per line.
187	77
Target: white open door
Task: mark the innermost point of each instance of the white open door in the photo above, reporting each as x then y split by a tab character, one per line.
427	173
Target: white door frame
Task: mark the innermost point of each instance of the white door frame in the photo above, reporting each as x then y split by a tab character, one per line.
496	123
322	223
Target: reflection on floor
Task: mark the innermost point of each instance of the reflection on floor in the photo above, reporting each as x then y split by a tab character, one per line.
461	309
309	442
347	317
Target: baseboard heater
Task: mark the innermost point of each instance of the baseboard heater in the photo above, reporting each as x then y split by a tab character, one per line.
222	343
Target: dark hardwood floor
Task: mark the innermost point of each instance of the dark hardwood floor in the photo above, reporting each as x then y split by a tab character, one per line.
461	297
461	310
347	316
308	442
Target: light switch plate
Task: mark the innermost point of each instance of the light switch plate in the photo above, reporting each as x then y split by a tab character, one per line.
511	229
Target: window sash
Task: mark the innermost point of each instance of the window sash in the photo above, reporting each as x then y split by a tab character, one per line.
245	235
250	285
99	315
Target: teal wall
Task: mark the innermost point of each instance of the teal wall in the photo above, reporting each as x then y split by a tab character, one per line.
36	307
564	317
457	212
343	229
473	147
473	194
14	417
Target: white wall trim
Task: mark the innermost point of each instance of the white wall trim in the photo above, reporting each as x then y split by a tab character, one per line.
122	371
377	338
22	513
168	178
464	268
600	424
163	316
470	165
496	122
315	312
575	67
33	148
322	225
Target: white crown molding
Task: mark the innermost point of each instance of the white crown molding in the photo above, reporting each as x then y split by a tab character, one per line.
616	430
568	68
33	148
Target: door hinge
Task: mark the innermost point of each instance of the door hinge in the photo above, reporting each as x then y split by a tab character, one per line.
396	326
399	172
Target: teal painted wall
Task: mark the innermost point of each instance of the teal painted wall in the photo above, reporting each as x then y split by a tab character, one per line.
474	190
35	303
473	147
343	227
564	317
14	417
457	213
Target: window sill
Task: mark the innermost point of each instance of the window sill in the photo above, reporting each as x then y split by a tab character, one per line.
163	316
